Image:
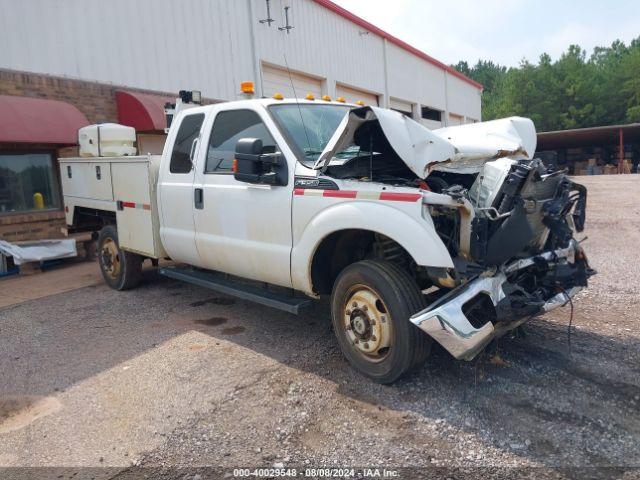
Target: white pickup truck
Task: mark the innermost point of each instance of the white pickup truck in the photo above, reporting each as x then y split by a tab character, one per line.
456	235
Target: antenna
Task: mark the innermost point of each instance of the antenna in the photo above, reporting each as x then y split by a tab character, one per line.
268	20
295	95
286	27
293	87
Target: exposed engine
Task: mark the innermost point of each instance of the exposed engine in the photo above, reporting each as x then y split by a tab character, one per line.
520	209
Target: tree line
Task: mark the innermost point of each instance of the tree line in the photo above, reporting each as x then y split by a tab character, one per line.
574	91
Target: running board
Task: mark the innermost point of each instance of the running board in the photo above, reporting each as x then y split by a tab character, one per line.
252	292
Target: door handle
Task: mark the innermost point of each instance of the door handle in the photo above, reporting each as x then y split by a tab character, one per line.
198	198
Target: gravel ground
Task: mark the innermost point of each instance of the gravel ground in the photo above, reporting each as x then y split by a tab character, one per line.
172	375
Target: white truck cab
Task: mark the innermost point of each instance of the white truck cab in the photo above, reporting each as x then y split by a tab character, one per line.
455	235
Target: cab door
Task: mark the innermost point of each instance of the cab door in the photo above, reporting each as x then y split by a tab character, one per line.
175	189
242	229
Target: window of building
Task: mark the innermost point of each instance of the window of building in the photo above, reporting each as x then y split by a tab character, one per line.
187	133
23	177
228	128
429	113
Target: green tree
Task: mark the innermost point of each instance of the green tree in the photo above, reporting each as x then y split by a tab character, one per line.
572	92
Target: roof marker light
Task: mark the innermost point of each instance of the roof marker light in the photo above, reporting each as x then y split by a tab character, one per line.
326	98
360	102
278	96
340	99
310	96
248	88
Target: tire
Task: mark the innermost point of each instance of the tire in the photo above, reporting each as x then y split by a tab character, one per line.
120	269
371	304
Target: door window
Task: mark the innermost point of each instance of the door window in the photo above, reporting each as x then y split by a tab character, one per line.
187	133
229	127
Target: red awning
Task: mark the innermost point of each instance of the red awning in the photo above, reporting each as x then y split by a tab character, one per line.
37	120
142	111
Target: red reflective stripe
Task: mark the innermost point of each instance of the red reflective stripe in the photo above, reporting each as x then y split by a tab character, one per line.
400	197
388	196
143	206
340	193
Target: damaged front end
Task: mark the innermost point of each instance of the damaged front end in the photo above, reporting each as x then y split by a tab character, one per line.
507	220
468	317
520	258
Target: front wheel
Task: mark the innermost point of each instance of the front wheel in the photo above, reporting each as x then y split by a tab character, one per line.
121	269
371	304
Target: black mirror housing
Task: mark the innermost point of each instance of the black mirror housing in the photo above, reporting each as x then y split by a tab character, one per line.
253	166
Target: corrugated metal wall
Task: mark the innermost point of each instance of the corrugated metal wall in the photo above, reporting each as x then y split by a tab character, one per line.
212	45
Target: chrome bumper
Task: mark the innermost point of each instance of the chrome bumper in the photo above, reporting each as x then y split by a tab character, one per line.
445	322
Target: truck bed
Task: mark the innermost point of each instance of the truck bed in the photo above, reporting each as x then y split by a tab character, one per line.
124	185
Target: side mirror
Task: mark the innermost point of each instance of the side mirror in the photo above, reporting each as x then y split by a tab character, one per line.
252	165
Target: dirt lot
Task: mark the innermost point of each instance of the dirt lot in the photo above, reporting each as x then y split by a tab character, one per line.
175	375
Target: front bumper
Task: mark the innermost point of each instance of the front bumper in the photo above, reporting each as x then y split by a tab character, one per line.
446	322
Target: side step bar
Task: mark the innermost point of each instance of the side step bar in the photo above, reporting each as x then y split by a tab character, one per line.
246	291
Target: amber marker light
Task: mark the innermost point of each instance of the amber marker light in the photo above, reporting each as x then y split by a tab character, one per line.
248	88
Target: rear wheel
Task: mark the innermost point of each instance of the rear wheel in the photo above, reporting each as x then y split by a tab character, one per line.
121	269
371	302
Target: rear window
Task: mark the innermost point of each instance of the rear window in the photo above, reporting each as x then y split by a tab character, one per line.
187	133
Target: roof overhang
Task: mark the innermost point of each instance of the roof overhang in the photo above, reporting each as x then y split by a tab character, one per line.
38	120
588	137
142	111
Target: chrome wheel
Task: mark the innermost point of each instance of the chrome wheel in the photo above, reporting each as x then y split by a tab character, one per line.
367	323
110	258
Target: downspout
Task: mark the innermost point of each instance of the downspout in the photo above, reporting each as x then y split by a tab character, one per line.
446	98
385	101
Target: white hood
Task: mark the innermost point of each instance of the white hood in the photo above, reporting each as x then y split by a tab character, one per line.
462	149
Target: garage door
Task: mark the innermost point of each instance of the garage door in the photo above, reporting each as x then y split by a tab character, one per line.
401	106
352	95
455	119
277	80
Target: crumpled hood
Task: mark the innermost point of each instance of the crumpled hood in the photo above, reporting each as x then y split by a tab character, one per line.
462	149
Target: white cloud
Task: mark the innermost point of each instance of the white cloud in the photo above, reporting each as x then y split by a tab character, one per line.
503	31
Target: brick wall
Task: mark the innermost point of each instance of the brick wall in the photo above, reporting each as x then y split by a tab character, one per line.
31	226
96	100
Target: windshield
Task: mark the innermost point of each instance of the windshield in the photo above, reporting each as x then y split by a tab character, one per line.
310	126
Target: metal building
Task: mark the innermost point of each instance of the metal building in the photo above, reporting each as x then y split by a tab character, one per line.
213	45
67	63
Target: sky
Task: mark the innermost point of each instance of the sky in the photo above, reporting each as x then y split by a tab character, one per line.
505	31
